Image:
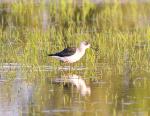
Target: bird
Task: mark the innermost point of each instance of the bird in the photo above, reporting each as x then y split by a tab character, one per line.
71	54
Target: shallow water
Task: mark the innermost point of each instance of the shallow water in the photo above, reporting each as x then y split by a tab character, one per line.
26	91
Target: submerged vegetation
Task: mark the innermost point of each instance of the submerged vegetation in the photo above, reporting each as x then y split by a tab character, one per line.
30	30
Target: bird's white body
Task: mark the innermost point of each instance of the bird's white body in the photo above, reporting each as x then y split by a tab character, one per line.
73	58
76	56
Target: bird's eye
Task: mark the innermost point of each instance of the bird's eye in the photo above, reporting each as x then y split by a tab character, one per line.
86	43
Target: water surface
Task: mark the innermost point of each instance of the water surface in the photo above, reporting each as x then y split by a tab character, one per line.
26	91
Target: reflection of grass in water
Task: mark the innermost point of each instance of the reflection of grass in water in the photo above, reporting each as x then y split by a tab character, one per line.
113	28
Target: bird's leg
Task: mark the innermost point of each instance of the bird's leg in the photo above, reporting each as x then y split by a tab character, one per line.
69	67
60	63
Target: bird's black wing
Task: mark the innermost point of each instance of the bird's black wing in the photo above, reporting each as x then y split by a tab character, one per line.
66	52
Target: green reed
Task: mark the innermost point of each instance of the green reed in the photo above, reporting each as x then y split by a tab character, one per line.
112	28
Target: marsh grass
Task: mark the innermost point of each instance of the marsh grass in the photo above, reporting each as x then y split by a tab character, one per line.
117	70
113	28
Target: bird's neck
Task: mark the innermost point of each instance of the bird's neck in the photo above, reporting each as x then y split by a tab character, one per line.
81	49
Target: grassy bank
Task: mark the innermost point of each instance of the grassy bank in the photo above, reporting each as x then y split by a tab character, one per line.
120	32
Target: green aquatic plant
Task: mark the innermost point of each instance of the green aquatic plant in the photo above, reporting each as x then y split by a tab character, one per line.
112	28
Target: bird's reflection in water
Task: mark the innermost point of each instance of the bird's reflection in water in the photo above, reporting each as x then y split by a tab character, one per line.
76	81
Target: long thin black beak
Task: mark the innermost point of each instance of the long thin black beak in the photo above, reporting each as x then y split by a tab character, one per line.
95	48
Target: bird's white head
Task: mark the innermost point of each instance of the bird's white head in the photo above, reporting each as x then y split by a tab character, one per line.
84	45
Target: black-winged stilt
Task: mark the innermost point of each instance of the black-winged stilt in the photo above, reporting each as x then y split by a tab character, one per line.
71	54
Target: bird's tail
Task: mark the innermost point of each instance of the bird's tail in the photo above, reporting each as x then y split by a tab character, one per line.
51	54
